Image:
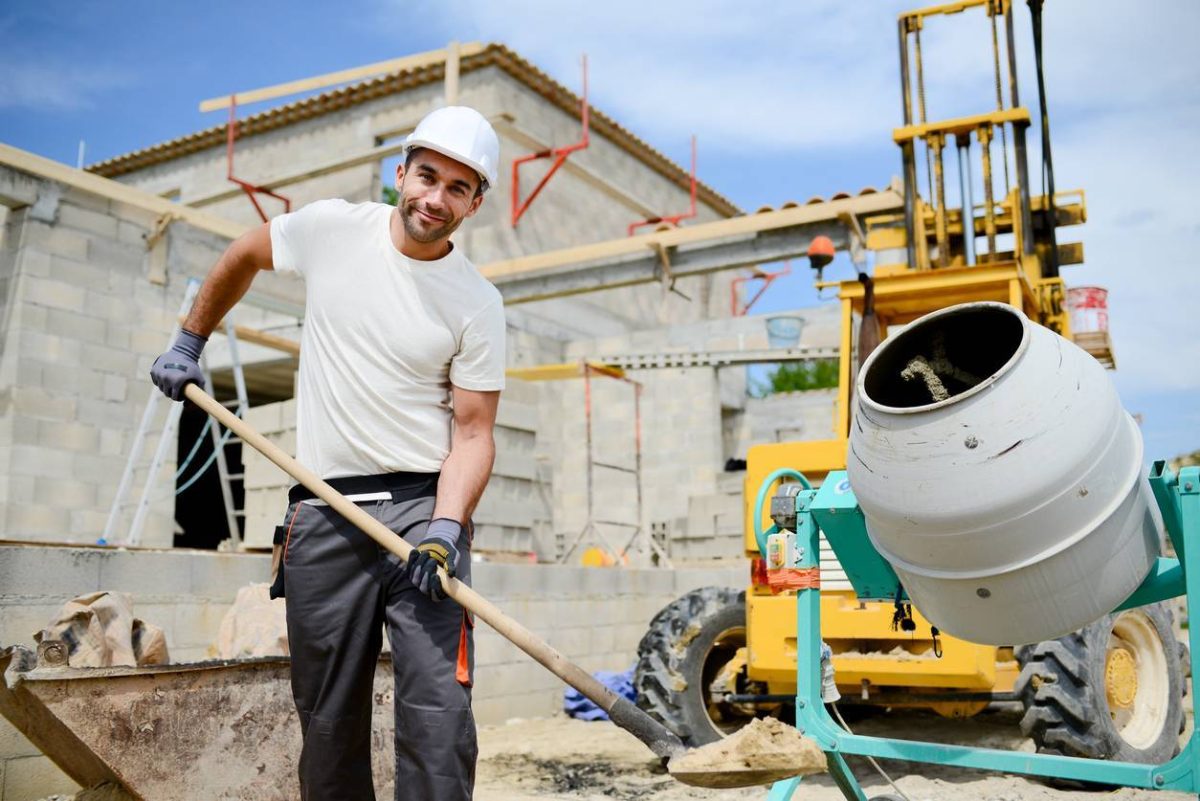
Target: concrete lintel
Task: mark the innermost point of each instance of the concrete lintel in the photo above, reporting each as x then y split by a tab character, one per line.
761	248
18	188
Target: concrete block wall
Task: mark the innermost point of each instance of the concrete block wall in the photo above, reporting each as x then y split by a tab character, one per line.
785	417
83	318
594	616
693	420
714	525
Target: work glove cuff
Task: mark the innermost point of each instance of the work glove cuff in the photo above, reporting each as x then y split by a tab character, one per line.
190	344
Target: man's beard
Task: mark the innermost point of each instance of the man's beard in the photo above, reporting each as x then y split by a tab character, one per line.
415	228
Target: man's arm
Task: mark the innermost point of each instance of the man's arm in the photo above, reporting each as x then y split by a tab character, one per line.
225	285
229	279
464	475
468	467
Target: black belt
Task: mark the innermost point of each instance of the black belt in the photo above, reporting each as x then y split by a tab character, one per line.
402	486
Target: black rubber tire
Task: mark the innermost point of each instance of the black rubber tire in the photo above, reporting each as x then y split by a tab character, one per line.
677	660
1062	686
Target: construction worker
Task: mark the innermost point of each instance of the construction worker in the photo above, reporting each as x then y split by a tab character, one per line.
402	363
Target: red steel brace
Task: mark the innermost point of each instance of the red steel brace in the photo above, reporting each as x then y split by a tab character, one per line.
558	154
674	219
250	189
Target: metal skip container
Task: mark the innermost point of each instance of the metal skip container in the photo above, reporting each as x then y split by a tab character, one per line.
1000	476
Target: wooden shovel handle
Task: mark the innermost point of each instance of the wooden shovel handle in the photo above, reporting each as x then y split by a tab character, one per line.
622	712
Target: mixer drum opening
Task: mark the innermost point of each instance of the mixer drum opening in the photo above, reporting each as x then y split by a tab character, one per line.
944	357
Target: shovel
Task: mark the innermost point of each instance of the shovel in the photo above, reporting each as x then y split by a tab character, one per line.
620	710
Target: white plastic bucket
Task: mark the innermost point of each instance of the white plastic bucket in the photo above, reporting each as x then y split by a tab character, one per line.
1007	492
784	331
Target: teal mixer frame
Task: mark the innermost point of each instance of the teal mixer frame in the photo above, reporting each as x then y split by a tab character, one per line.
834	511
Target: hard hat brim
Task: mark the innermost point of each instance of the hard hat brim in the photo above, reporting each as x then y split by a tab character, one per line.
488	180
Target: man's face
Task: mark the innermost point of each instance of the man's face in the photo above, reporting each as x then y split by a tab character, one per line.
436	194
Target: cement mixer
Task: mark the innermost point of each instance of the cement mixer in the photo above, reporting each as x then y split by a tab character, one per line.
1000	477
994	482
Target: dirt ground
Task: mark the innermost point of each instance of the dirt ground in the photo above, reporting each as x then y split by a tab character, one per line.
560	759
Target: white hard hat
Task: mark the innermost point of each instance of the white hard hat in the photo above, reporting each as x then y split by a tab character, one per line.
462	134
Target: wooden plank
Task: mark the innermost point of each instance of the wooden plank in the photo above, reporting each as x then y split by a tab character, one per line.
27	162
412	62
367	156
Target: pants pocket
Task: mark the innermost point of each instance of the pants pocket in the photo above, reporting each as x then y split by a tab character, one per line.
279	548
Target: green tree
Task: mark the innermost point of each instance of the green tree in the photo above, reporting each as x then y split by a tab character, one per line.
390	196
798	377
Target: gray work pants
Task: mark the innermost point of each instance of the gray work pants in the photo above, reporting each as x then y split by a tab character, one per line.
341	589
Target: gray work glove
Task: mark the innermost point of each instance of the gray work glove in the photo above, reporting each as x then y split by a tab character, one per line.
438	549
179	366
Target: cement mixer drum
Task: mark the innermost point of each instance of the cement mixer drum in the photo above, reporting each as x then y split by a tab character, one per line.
1000	476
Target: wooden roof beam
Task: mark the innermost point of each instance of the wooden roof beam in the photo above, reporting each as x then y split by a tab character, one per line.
416	61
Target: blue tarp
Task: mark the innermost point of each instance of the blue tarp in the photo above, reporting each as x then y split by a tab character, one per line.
575	705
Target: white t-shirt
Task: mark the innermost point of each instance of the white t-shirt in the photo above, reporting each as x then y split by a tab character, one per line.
384	338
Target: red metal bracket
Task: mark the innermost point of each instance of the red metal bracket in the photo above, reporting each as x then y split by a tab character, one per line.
675	219
765	277
559	155
250	189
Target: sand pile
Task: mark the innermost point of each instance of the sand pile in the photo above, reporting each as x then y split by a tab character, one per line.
762	752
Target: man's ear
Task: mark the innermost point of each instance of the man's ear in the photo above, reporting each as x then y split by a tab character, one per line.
476	202
399	175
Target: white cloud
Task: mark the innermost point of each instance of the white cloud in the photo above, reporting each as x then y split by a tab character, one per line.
35	84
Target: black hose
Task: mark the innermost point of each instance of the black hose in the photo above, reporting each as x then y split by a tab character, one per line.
1035	11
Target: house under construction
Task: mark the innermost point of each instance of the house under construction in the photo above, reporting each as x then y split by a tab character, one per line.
623	277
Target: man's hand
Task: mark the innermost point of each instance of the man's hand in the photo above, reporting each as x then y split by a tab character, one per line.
438	549
179	366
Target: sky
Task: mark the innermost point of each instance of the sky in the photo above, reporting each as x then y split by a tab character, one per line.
787	101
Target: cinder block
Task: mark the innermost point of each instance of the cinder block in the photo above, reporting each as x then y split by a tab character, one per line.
112	442
116	388
33	261
13	744
265	419
67	435
31	777
572	642
21	621
147	341
107	414
118	336
18	489
49	572
88	277
52	294
512	679
35	402
75	325
603	640
36	461
93	222
63	491
146	574
492	649
218	576
108	359
87	525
